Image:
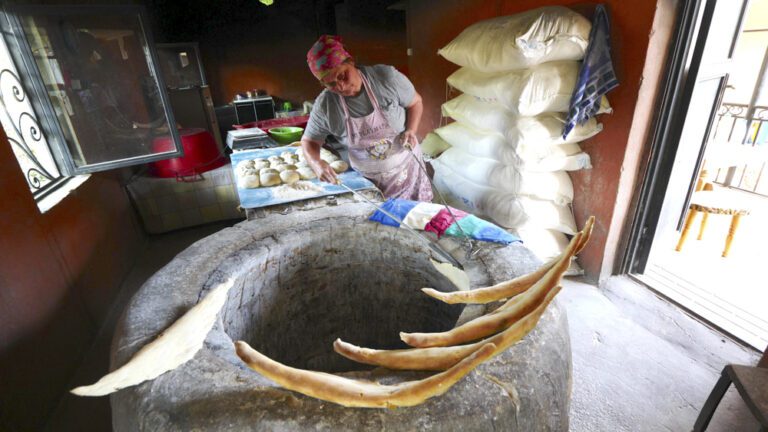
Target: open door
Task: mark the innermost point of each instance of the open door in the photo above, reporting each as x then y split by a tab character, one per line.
697	77
702	64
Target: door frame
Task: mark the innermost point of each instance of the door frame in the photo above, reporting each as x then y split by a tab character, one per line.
682	69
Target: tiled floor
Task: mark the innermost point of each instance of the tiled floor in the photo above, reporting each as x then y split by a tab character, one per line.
730	292
639	364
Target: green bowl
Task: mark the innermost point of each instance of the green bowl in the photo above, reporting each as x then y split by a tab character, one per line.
286	134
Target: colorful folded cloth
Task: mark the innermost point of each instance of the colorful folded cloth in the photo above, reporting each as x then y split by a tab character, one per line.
437	219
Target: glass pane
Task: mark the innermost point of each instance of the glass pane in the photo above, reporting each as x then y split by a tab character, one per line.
180	66
722	31
95	67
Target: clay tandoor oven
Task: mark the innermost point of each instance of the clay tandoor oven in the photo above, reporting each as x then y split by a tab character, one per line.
306	278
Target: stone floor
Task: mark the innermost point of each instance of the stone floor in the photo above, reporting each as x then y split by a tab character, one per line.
639	364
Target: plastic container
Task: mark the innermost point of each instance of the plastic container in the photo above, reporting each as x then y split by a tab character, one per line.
286	134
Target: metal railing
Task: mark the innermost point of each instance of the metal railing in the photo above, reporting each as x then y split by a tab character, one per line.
742	130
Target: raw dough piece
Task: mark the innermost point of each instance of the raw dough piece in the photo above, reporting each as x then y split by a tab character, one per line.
249	181
457	276
286	167
286	154
260	163
306	173
244	166
289	176
174	347
268	170
339	166
269	179
247	172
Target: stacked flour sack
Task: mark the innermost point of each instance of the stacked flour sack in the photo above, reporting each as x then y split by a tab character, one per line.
504	157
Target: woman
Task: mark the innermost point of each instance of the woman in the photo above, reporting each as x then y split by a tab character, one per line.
374	111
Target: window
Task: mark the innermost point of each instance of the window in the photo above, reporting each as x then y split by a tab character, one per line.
81	92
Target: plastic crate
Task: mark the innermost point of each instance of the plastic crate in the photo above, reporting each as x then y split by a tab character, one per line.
166	204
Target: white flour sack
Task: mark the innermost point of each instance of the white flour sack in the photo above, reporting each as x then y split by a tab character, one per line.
520	41
576	162
490	145
506	209
536	153
433	145
482	115
547	130
543	129
545	244
528	92
555	186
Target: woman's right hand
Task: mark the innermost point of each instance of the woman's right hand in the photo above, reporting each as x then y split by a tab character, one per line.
324	171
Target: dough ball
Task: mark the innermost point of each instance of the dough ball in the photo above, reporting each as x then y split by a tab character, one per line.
248	182
286	154
329	158
301	164
274	160
339	166
289	176
269	179
285	167
260	163
290	159
268	171
244	166
306	173
248	171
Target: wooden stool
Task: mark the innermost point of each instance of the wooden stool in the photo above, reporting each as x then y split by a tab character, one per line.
752	384
723	202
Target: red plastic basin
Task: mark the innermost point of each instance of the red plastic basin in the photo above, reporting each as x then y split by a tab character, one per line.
200	154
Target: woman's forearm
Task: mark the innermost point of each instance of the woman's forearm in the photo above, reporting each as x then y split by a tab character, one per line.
413	114
311	149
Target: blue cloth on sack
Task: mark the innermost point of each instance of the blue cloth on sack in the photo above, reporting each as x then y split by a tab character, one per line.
596	75
482	230
396	207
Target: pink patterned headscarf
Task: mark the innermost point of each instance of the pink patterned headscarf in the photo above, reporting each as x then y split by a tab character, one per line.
326	54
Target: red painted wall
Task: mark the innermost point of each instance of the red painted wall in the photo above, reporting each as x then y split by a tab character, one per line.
432	26
59	273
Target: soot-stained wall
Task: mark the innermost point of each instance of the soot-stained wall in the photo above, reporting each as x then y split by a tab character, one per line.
246	45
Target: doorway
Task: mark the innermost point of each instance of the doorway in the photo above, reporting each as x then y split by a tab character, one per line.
698	236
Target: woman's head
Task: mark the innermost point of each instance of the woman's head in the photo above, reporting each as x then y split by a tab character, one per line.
333	66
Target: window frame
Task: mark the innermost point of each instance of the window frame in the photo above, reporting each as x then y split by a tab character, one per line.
33	84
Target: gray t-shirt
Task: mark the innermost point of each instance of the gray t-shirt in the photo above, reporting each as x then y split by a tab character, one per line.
392	89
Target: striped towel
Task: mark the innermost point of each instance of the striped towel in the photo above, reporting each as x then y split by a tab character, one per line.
437	219
596	75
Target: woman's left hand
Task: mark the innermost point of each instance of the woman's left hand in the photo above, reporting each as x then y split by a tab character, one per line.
408	139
